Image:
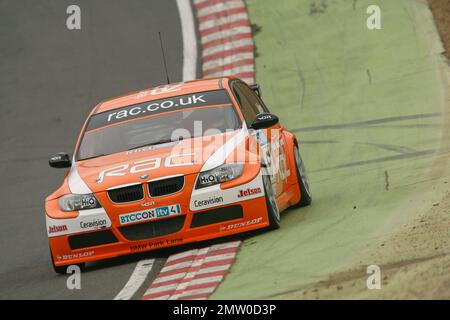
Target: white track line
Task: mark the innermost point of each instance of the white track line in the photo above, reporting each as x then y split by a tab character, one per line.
189	40
136	280
169	278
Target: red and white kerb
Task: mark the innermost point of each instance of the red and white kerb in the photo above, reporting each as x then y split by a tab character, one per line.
193	274
226	39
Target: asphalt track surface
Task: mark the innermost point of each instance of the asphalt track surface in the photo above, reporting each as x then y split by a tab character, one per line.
50	78
370	109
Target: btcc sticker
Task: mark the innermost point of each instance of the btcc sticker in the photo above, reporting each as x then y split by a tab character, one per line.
214	196
87	220
150	214
158	106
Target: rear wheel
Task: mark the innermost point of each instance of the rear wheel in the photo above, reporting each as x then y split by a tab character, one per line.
271	203
303	180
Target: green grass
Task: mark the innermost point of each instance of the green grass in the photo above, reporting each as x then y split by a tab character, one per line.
328	69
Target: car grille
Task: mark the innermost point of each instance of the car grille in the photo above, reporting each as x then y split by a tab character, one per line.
165	186
92	239
126	194
153	229
216	215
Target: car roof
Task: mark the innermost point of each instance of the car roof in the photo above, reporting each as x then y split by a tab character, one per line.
161	92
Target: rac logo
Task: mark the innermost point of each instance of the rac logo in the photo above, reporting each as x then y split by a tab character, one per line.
147	165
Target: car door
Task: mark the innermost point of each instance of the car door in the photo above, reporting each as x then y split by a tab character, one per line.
271	140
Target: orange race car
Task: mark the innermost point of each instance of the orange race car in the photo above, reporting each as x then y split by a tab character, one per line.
171	165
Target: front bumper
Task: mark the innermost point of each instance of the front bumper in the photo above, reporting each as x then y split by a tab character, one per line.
205	214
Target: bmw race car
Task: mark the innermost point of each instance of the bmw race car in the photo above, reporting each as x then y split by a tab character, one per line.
171	165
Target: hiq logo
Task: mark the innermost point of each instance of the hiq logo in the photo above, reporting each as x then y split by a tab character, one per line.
207	179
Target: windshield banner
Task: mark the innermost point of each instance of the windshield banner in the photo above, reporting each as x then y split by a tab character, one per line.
200	99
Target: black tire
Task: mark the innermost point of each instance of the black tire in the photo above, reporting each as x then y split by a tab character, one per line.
60	269
63	269
272	207
303	180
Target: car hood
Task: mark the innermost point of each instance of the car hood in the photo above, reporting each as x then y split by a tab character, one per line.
185	157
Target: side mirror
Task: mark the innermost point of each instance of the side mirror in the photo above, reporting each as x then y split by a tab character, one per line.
264	120
60	160
256	88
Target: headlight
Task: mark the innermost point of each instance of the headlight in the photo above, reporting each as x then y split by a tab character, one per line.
225	172
75	202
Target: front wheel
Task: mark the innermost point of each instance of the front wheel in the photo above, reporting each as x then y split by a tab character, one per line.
303	181
271	203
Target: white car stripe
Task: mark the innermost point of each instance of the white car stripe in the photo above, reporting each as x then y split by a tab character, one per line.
221	154
76	183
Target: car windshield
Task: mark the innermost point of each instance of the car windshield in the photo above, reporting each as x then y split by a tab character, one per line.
103	138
